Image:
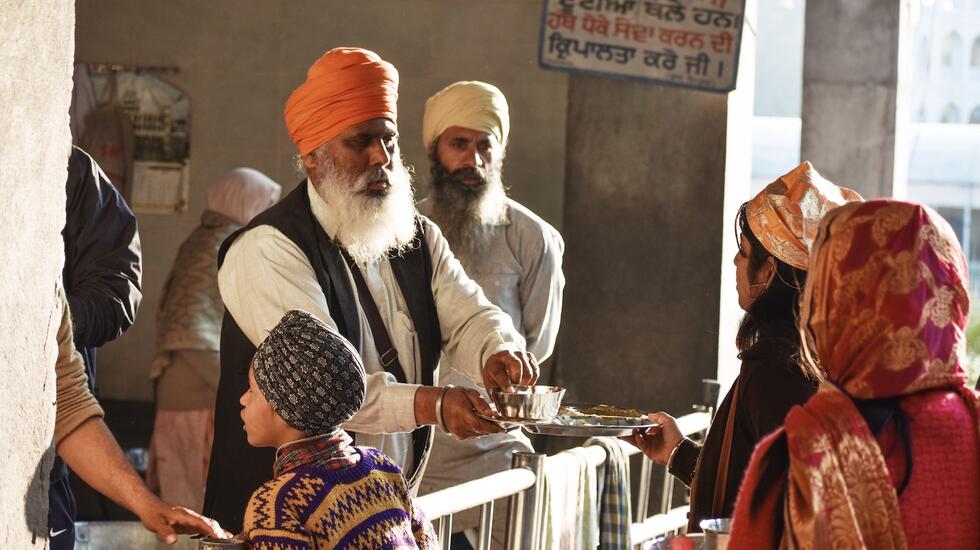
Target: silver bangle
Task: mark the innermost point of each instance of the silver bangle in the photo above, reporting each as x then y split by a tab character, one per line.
439	421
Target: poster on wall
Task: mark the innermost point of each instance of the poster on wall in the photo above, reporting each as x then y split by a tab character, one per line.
688	43
138	129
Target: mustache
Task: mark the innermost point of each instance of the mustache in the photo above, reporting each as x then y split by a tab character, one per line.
468	173
457	178
378	176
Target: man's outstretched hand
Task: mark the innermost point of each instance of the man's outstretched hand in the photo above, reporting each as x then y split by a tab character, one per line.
168	521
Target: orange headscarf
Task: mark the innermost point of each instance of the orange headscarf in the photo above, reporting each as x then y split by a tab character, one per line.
885	309
785	215
346	86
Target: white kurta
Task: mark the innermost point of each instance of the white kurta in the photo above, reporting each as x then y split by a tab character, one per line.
265	274
521	273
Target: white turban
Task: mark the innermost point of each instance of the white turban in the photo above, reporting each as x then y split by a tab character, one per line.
469	104
242	194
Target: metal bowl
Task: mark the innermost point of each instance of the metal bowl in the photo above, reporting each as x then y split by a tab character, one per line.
716	533
228	544
693	541
529	402
718	526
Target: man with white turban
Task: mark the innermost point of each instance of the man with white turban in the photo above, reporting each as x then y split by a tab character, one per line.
348	246
511	252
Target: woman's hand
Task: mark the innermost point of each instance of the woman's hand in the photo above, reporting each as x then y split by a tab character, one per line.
659	441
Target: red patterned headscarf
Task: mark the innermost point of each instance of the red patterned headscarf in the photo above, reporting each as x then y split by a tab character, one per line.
885	309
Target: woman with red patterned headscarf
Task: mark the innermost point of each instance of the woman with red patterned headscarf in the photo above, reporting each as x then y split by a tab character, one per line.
885	454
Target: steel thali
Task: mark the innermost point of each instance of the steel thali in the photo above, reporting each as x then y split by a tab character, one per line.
576	426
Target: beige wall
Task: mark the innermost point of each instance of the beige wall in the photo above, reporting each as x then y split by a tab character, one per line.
35	88
239	61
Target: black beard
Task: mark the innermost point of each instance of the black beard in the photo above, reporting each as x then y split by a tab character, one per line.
454	183
456	209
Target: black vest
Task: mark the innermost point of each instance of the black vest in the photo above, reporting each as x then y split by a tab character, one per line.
237	468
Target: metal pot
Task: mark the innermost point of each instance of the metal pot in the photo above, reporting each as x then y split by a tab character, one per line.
714	537
123	535
716	532
222	544
694	541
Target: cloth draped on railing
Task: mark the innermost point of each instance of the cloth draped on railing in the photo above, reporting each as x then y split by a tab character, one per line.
615	507
570	520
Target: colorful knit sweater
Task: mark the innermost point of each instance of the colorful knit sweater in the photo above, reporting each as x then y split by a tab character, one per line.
366	505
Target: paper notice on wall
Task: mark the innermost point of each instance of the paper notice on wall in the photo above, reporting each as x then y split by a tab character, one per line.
689	43
160	187
157	145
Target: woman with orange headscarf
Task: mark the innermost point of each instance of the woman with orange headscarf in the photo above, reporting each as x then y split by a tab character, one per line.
776	229
885	455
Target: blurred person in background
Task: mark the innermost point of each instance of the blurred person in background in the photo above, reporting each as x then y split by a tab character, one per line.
186	367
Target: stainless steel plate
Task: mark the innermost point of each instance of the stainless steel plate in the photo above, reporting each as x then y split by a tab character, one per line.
583	430
576	427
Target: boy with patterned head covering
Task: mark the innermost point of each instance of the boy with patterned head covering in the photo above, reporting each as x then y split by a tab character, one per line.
304	382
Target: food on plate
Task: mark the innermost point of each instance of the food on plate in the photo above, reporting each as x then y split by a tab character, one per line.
600	414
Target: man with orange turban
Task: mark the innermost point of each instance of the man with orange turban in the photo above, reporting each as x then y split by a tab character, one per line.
512	253
349	247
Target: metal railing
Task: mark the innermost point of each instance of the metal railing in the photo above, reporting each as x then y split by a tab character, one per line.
669	519
526	496
440	506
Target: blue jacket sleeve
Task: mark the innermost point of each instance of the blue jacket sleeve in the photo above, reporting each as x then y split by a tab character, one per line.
102	254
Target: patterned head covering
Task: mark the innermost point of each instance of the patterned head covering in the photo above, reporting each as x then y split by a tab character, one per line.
469	104
310	375
784	216
885	308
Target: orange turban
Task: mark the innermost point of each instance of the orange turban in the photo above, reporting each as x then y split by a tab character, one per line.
784	216
345	87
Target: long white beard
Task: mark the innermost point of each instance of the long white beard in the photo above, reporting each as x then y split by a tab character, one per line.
370	227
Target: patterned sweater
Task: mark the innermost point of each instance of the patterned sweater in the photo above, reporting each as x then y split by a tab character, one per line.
366	505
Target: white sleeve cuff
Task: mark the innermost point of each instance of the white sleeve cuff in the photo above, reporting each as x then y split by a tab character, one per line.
390	410
399	407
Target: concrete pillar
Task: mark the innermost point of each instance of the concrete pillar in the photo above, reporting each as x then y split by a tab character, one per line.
654	177
35	89
855	109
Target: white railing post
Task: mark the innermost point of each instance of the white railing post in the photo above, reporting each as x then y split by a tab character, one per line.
486	526
668	492
643	493
445	531
515	520
524	509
